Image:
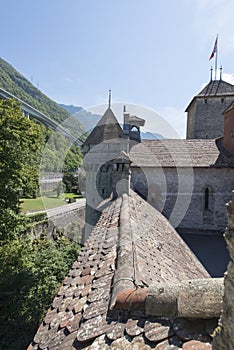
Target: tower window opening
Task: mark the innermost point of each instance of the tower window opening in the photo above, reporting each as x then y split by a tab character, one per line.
222	100
205	100
207	194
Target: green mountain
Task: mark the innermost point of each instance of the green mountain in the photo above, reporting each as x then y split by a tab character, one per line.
87	119
15	83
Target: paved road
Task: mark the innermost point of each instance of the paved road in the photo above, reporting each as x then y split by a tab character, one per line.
63	209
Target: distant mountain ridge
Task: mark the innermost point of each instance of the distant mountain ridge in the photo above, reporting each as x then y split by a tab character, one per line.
87	119
15	83
146	135
70	108
90	120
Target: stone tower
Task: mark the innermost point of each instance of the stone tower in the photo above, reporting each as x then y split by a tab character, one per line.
106	162
205	111
103	144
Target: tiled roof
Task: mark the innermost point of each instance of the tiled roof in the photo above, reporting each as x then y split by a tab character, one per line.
217	87
175	153
125	249
106	129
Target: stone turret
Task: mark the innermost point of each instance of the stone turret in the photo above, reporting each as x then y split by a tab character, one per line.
204	113
103	144
106	161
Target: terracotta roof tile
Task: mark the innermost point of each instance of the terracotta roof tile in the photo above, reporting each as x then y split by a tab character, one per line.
155	331
80	316
93	328
169	343
117	331
196	345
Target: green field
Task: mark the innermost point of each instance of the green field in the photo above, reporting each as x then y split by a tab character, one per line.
29	205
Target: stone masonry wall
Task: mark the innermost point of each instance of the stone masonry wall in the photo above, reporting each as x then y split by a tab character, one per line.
70	224
205	118
224	339
180	195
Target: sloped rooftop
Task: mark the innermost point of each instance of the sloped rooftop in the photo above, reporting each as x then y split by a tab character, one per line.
106	129
179	153
212	89
125	249
217	87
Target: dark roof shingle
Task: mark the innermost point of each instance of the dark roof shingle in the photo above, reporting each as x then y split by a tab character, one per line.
217	87
174	153
107	128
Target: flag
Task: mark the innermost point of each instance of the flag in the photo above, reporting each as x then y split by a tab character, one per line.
214	49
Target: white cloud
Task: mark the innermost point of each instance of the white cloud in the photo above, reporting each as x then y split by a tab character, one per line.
228	77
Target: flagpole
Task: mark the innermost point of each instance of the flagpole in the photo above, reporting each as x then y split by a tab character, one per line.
216	57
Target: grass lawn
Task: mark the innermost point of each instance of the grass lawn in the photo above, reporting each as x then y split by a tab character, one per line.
29	205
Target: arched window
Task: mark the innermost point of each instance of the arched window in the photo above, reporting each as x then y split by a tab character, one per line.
134	129
207	195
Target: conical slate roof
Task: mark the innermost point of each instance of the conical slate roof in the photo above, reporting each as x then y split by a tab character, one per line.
217	87
106	129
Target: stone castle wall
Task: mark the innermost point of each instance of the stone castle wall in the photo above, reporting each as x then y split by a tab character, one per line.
205	117
70	224
224	339
180	195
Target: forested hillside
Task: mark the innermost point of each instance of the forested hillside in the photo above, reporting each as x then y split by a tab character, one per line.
18	85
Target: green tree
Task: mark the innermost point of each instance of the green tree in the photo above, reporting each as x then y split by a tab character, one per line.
21	144
71	182
59	155
73	159
30	275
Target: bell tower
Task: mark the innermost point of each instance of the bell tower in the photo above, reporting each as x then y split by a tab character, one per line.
131	127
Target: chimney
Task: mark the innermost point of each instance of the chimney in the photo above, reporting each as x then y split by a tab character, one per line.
126	126
228	136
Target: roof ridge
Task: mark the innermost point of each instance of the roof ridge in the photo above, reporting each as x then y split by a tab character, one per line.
125	274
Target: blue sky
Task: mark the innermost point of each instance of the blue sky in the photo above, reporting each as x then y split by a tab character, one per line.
150	53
